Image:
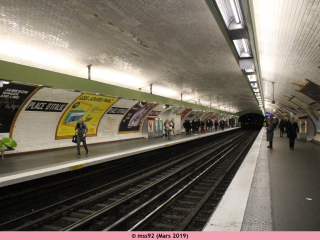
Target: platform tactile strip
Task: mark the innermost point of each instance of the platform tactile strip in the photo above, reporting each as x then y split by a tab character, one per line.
258	212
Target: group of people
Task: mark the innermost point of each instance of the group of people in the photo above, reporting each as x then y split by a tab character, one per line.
288	127
82	129
195	126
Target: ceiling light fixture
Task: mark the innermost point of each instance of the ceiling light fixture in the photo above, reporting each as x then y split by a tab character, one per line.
235	11
245	45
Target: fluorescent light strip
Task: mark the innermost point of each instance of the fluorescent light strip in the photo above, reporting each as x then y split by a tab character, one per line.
235	11
245	45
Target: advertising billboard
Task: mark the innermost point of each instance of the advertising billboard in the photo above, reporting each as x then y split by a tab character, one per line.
132	121
12	97
90	107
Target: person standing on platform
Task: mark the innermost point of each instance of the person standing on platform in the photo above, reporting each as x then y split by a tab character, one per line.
185	127
169	127
285	125
202	124
211	125
281	127
173	132
189	127
216	124
198	125
81	129
270	130
208	125
222	123
292	131
194	126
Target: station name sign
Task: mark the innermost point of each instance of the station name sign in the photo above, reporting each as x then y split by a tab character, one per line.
44	106
116	110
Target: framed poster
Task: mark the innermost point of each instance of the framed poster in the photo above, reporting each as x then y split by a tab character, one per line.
303	126
313	113
132	121
12	98
90	107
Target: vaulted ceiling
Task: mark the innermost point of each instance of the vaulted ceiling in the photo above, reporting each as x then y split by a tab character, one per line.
288	36
176	45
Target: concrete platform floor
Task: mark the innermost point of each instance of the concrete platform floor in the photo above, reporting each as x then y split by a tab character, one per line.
294	182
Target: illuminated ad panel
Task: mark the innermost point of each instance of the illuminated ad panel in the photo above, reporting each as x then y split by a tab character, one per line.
132	121
90	107
12	97
313	114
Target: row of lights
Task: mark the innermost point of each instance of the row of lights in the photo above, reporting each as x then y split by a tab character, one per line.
231	13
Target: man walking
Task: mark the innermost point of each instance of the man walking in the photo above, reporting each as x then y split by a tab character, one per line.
81	129
292	131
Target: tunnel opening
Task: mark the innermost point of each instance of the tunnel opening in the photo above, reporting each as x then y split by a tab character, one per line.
251	121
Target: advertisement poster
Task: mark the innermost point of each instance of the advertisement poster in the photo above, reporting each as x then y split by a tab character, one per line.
185	112
110	124
131	122
303	126
12	97
150	125
313	114
90	107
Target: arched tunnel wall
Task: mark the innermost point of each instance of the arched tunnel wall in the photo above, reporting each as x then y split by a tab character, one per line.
46	118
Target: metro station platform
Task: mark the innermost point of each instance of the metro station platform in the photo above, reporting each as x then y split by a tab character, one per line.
21	168
274	189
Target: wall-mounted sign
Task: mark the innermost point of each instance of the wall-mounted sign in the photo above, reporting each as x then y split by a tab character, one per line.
90	107
116	110
12	97
284	114
44	106
154	113
132	120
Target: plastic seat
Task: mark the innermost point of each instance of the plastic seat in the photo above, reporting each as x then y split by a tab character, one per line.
9	143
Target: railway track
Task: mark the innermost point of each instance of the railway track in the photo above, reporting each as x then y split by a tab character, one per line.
24	198
81	206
